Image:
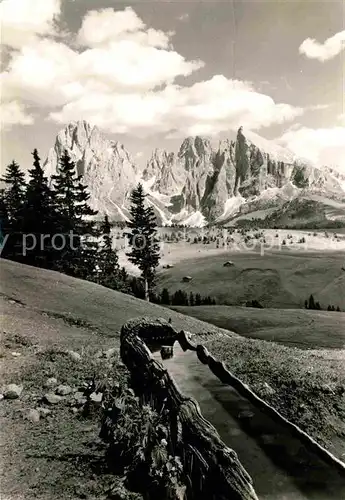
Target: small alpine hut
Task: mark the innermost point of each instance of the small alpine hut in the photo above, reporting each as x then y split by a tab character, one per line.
187	279
228	263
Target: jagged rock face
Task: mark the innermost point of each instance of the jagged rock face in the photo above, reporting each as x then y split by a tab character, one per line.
195	157
106	166
167	171
220	184
198	179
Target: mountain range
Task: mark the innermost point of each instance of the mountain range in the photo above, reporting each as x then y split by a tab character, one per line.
200	183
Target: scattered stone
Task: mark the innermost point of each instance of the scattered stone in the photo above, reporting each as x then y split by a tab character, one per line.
110	352
96	397
264	389
75	410
52	398
63	390
13	391
16	354
1	397
79	398
44	412
33	416
75	356
50	382
244	414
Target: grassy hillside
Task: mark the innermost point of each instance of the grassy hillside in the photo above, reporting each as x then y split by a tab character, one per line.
277	279
54	306
299	327
44	312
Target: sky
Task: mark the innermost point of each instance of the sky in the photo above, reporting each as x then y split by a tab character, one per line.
150	73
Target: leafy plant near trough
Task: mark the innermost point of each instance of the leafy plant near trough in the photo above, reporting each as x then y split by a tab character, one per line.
139	447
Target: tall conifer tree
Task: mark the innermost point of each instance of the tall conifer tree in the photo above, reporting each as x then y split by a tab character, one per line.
76	219
12	203
40	218
143	239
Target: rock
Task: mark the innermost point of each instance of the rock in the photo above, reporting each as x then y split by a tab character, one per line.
1	397
110	352
79	399
50	382
96	397
199	178
16	354
74	410
52	398
44	412
13	391
264	389
63	390
33	416
75	356
103	163
245	414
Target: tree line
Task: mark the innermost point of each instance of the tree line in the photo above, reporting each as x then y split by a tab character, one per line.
313	305
50	224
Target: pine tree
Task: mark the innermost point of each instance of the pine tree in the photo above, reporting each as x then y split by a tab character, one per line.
142	239
40	220
108	261
191	299
311	303
198	299
12	204
338	309
77	222
165	297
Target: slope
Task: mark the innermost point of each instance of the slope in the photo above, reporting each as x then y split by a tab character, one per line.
280	279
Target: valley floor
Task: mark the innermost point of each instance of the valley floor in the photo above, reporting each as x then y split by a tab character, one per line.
277	275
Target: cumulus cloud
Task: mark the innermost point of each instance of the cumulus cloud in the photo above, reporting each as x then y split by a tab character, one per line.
122	78
23	20
102	27
207	107
323	146
323	51
13	113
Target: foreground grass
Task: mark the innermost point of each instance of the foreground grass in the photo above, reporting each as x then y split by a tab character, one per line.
61	456
307	387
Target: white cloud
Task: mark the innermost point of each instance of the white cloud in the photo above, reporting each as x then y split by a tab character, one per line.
106	26
123	80
323	146
22	20
206	107
323	51
13	113
341	119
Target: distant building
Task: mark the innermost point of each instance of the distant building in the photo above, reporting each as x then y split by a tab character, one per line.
186	279
229	263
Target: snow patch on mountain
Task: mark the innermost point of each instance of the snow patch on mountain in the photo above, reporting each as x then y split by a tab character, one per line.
231	207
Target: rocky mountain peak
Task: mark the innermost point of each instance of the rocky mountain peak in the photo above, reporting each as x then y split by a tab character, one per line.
106	166
201	179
